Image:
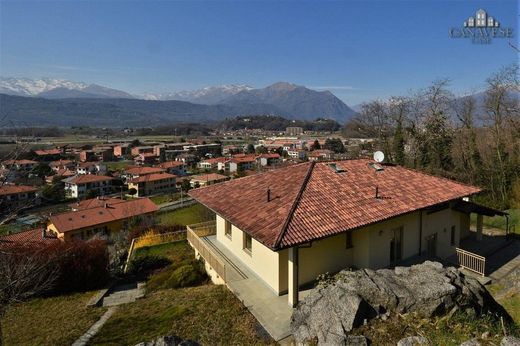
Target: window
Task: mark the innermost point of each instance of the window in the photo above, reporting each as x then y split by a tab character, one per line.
247	242
227	229
349	240
452	236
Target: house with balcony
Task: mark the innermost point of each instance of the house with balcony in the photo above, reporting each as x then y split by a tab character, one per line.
173	167
207	179
268	159
14	197
283	228
91	168
151	184
79	186
19	165
100	217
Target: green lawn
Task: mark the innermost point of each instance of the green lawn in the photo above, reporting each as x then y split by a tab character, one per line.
50	321
172	251
185	216
500	221
118	165
169	197
508	298
208	314
10	228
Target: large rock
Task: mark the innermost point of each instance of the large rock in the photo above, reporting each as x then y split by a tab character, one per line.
510	341
333	309
169	340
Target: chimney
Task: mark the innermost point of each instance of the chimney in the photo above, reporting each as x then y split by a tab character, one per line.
268	194
106	205
377	191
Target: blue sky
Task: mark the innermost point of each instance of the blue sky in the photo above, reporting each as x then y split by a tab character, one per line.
359	50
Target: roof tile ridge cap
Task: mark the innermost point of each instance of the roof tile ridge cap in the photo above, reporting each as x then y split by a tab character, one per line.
294	206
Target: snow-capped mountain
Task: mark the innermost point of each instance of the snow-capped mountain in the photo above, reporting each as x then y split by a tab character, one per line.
33	87
208	95
56	88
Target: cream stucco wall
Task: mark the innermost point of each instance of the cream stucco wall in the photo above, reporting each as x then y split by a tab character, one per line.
371	247
262	261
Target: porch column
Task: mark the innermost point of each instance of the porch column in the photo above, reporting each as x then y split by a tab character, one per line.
292	271
479	226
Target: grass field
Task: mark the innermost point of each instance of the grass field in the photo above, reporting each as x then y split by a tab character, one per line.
185	216
509	298
500	221
173	251
118	165
169	197
208	314
50	321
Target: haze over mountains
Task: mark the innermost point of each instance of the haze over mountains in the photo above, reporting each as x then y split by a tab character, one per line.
65	103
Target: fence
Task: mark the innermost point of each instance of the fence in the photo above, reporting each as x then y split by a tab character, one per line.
153	239
194	234
470	261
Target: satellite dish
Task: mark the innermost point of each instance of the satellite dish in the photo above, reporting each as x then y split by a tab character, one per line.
379	156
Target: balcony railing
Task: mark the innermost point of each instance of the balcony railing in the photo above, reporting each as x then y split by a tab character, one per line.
470	261
194	235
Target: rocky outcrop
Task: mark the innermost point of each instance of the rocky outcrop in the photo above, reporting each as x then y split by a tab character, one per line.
168	340
334	308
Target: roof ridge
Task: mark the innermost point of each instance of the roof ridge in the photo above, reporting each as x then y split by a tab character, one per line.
294	206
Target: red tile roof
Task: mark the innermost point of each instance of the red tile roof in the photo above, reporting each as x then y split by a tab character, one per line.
143	170
208	177
215	160
268	156
19	162
312	200
60	163
170	164
95	202
87	178
8	189
44	152
152	177
33	236
74	220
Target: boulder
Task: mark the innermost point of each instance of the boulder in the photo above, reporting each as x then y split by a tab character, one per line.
413	341
471	342
356	340
510	341
337	306
169	340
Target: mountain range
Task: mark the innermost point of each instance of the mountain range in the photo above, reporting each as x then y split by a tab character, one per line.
65	103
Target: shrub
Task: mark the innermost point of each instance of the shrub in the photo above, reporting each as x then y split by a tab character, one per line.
185	275
145	264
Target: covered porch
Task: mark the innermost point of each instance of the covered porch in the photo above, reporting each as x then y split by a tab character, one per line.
476	248
270	309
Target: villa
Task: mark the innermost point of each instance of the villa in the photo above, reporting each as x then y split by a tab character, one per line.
289	225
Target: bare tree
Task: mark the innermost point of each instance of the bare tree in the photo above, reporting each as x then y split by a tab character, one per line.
24	272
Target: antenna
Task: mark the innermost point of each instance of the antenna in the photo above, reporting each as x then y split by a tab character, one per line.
379	156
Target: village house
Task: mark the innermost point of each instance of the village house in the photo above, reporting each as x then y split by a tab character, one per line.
79	186
289	225
100	217
207	179
19	165
62	164
268	159
13	197
320	155
121	150
48	154
173	167
146	159
91	168
150	184
212	163
142	150
241	163
34	236
136	172
297	154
